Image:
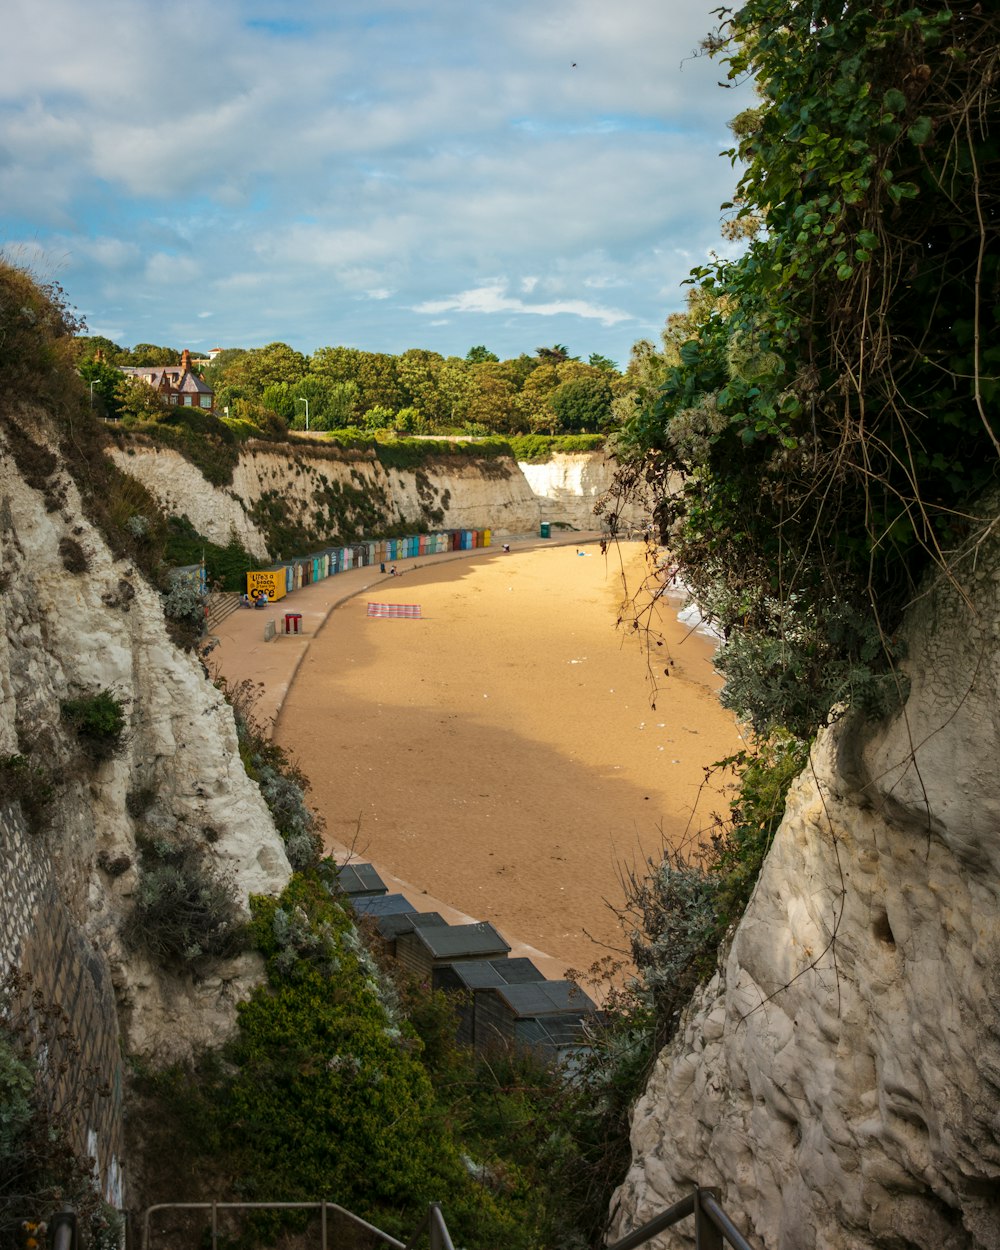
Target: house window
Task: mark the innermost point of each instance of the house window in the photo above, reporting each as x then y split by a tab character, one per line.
173	399
187	401
206	401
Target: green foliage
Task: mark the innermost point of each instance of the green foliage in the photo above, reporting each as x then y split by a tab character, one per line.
98	721
742	840
225	567
283	785
201	437
17	1087
184	913
411	453
40	1170
151	354
537	448
583	404
831	396
30	783
325	1086
37	352
103	381
480	355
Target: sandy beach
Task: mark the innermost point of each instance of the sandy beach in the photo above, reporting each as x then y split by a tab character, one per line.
502	753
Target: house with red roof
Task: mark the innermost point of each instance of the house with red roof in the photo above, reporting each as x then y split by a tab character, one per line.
175	384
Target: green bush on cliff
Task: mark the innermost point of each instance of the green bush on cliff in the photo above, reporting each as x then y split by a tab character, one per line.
322	1092
537	448
98	722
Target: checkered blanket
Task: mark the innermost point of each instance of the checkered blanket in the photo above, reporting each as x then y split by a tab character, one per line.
402	611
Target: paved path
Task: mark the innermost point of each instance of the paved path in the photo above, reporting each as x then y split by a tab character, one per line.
242	654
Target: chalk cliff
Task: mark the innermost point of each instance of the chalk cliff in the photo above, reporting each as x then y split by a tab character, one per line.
76	620
323	491
839	1078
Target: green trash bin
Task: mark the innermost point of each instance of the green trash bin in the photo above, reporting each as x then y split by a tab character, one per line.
545	530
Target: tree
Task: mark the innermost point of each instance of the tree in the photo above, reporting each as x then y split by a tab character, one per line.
555	354
533	400
150	354
336	402
250	373
378	382
419	375
377	419
602	362
835	405
492	398
102	384
340	364
479	355
136	401
582	405
455	389
87	347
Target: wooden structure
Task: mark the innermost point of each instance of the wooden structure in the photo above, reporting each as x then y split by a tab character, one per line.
360	881
427	948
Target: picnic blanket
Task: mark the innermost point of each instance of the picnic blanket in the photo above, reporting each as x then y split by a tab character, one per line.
401	611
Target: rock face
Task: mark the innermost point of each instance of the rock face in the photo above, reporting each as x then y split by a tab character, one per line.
839	1078
569	486
321	490
75	620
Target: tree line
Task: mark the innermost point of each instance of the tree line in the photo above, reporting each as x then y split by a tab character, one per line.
416	392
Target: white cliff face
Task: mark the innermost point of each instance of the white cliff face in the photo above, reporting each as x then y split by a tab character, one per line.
839	1079
569	486
64	634
455	492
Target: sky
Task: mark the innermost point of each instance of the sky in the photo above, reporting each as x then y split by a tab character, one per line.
381	174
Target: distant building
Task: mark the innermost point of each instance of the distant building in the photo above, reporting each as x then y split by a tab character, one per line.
175	384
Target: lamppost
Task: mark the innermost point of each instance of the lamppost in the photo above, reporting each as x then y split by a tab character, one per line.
305	401
93	380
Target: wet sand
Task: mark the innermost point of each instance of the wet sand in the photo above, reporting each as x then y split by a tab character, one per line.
503	753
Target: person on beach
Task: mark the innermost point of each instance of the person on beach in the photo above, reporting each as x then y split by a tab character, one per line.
392	572
381	567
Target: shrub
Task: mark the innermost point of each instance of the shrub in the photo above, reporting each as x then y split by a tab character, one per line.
184	912
98	721
26	782
327	1085
40	1169
73	556
537	448
283	785
185	606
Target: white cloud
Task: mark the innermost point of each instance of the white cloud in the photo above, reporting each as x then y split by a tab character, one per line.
493	298
323	178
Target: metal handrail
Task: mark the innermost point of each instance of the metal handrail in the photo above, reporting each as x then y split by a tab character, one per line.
433	1222
712	1225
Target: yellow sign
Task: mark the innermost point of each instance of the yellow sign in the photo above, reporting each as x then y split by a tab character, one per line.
270	582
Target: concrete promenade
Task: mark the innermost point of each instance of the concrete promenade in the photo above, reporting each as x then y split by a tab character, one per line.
241	652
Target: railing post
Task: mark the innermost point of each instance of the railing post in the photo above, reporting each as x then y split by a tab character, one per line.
706	1235
434	1227
63	1228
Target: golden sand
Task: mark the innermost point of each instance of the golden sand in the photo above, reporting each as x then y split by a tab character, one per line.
503	753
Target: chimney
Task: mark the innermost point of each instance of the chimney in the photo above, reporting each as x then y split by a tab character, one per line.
186	360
